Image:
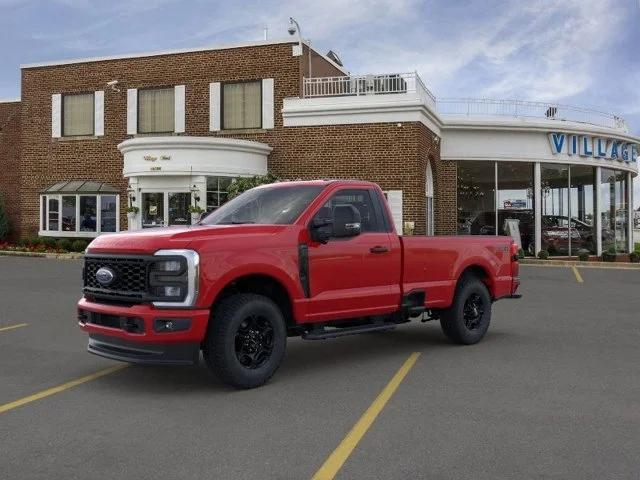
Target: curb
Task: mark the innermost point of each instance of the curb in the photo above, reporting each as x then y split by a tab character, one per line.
57	256
577	263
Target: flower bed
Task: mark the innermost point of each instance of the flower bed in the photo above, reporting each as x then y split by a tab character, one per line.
45	245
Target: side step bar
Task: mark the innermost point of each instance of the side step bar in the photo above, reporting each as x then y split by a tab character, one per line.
322	333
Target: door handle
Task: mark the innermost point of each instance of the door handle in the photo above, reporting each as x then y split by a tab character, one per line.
378	249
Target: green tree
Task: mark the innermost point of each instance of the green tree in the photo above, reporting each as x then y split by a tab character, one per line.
242	184
4	221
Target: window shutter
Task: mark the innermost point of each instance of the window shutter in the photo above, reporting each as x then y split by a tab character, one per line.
267	103
179	94
214	107
56	115
394	198
98	112
132	111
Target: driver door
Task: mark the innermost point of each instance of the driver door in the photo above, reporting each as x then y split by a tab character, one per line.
354	276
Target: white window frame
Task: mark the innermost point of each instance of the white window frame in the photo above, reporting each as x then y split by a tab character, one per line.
57	115
77	233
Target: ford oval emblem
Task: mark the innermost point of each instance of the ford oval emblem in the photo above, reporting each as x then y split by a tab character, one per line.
105	276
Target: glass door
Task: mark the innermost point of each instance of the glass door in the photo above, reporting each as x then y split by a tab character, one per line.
153	210
179	208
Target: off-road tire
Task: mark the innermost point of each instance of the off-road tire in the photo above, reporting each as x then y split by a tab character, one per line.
220	344
453	321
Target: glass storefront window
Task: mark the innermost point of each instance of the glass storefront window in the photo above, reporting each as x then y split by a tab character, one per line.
59	214
54	205
554	196
614	210
179	208
108	213
582	203
217	191
88	214
515	202
153	209
69	213
476	198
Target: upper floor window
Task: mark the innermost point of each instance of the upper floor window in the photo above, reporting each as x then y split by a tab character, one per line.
78	114
242	105
156	110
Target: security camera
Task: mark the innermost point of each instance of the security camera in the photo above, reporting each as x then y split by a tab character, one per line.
291	29
112	84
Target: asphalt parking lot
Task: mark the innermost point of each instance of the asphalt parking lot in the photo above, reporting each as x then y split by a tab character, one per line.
553	391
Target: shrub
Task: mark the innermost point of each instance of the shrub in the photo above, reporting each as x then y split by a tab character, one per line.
610	255
65	244
520	253
33	241
79	245
5	228
634	257
543	254
49	242
583	255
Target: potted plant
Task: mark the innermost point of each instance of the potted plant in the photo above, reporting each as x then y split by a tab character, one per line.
196	212
543	254
132	212
583	255
610	255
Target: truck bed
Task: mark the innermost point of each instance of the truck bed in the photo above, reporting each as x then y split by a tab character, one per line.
435	263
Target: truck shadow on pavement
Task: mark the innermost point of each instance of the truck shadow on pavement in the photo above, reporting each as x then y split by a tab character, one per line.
303	360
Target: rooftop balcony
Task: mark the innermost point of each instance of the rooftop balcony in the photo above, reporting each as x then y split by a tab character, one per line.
411	84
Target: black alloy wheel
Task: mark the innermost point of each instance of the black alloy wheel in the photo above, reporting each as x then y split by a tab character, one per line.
246	340
254	341
473	311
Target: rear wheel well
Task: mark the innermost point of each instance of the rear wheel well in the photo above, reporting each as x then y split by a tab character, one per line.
260	285
476	271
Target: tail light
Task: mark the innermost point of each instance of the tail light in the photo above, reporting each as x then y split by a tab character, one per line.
514	251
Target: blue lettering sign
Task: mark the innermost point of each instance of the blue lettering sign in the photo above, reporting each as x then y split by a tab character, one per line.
557	142
601	147
634	153
573	146
614	149
586	147
624	152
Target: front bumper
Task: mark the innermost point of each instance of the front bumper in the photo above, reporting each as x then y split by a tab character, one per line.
143	333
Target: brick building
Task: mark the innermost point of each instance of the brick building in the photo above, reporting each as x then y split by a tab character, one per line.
162	131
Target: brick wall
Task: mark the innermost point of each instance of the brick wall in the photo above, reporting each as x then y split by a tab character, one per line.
10	158
395	157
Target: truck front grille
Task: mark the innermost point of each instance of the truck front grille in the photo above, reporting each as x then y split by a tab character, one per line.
131	277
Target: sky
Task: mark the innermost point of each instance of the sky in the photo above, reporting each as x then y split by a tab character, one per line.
579	52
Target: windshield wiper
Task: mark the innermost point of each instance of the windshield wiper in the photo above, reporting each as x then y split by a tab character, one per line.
234	222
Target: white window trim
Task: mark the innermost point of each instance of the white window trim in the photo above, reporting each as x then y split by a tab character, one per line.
215	107
98	113
132	111
179	108
66	234
268	108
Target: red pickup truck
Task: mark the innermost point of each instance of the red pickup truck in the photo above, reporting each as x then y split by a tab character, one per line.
316	259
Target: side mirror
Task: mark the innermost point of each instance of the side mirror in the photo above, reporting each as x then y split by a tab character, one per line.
321	229
346	221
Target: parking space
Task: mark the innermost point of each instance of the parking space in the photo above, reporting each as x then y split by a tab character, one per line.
551	392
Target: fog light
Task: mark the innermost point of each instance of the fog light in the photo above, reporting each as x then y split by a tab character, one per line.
166	325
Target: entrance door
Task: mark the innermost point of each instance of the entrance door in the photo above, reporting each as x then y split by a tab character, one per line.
179	208
153	210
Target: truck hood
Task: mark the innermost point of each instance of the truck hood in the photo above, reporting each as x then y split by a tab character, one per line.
149	241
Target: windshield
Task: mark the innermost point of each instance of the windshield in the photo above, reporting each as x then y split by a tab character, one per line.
266	205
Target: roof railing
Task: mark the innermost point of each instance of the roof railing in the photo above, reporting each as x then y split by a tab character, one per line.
411	83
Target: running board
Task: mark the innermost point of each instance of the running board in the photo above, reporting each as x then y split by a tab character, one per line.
322	333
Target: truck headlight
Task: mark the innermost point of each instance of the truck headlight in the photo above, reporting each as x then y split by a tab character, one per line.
174	278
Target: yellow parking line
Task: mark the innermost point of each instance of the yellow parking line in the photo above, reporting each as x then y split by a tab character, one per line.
340	455
11	327
577	274
60	388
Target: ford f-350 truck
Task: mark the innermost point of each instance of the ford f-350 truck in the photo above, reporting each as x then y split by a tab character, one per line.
316	259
